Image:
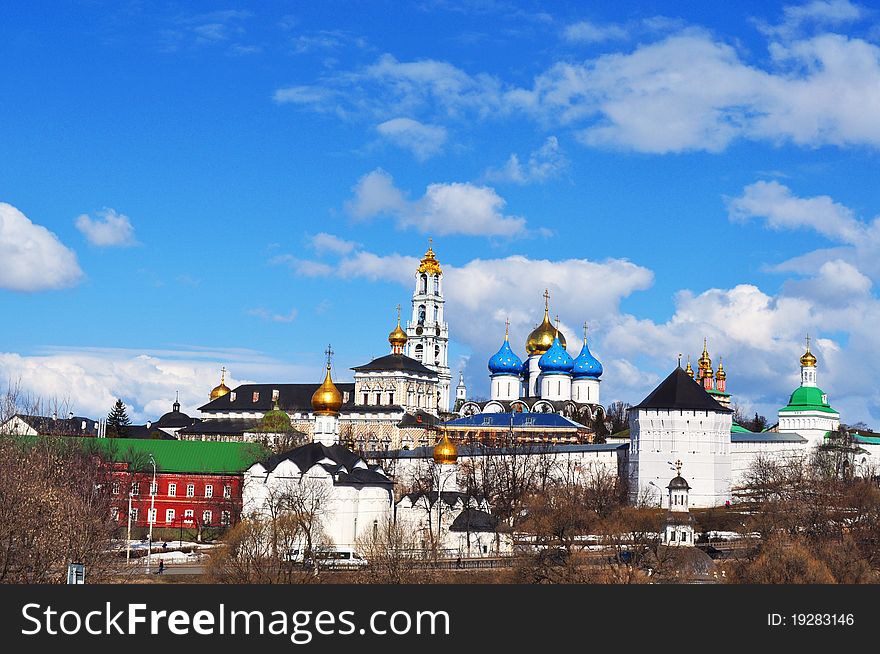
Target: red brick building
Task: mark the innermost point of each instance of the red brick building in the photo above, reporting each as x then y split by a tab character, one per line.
198	484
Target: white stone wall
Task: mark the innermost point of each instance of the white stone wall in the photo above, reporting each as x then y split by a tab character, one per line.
585	391
699	439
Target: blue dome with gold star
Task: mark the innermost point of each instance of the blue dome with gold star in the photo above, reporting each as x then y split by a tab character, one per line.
505	361
586	365
556	359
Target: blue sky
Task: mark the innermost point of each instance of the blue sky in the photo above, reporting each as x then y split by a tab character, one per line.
190	185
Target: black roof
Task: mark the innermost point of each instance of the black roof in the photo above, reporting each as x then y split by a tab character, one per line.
471	520
292	398
344	464
395	362
72	426
418	419
678	483
233	426
450	498
679	391
174	419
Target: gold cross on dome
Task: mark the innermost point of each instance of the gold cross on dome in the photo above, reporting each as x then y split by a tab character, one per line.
398	314
546	299
329	353
222	374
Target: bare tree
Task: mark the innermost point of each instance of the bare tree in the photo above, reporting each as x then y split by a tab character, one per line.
393	555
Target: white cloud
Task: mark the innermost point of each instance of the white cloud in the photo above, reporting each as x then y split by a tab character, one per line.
687	91
586	32
783	210
817	12
453	208
110	229
424	141
324	242
33	258
546	162
87	381
271	316
304	267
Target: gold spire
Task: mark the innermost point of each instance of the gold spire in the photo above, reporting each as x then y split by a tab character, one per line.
327	400
704	362
720	374
222	389
397	337
541	338
445	452
429	262
689	370
808	360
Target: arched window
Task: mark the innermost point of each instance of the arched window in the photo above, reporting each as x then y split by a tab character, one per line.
419	351
436	353
421	314
423	284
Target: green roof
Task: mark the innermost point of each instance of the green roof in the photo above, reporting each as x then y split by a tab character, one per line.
205	457
808	398
197	457
739	429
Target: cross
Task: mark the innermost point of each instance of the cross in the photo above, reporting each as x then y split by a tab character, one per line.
808	341
546	300
222	374
398	314
679	359
507	327
678	467
585	332
329	353
430	242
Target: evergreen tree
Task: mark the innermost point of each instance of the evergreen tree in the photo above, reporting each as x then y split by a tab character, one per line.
117	421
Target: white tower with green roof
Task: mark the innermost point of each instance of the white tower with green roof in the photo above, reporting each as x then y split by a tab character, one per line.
808	413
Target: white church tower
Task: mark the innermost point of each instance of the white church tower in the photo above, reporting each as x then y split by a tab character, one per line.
808	412
427	332
679	527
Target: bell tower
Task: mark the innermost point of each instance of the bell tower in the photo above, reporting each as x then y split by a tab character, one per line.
427	332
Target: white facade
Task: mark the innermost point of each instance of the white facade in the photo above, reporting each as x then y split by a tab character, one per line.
348	512
410	390
699	438
585	390
505	387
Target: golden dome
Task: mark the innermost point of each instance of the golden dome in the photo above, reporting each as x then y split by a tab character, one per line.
445	452
720	374
398	336
541	338
704	362
429	262
808	360
221	389
327	399
689	370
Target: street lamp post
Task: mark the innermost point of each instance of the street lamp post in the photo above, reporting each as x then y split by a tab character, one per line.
151	518
128	533
659	491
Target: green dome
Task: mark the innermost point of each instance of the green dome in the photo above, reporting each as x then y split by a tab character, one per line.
808	398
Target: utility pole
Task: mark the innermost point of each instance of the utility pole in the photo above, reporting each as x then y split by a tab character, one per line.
152	516
128	534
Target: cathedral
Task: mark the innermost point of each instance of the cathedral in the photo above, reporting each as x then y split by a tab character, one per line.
548	381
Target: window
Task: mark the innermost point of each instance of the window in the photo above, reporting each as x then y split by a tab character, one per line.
232	396
366	398
172	490
135	488
421	314
423	284
151	516
134	515
487	420
256	396
115	488
190	490
154	488
275	394
206	517
227	492
169	515
209	490
189	515
114	514
530	421
225	518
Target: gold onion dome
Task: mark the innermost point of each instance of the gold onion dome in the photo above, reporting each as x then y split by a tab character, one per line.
221	389
704	361
689	370
808	359
445	452
541	338
429	263
398	336
327	400
720	374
